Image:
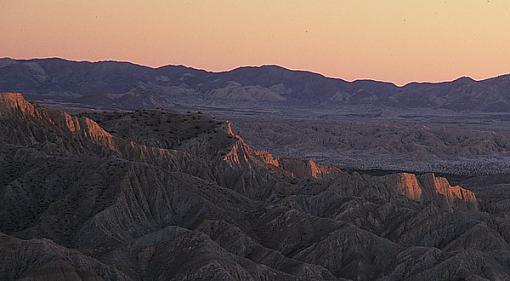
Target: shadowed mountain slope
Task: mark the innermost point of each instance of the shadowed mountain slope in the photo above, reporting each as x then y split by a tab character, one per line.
184	197
125	85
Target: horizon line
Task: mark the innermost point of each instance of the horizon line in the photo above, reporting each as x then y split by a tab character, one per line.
256	66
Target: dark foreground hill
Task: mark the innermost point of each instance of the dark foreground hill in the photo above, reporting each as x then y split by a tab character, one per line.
125	85
152	195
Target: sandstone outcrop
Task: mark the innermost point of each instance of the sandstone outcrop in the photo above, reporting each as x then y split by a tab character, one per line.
244	156
429	187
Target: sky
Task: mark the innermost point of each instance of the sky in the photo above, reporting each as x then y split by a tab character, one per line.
392	40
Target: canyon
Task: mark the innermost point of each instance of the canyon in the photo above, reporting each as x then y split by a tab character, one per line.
456	128
153	194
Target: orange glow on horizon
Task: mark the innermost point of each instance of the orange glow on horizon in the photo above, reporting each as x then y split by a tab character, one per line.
393	40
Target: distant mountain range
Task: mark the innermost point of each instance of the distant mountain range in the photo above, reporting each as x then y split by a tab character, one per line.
127	85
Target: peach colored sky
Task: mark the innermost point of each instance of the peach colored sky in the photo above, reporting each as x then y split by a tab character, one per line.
398	41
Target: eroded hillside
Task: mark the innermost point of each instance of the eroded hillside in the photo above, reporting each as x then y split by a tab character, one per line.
152	195
386	144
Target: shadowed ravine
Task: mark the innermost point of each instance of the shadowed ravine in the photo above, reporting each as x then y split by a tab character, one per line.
154	195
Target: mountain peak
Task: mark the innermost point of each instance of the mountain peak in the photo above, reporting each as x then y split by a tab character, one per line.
14	102
11	96
464	79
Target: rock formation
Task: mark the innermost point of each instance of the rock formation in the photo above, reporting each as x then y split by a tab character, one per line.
183	197
243	155
429	187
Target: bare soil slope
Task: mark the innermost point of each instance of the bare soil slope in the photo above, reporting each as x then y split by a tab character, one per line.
87	200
